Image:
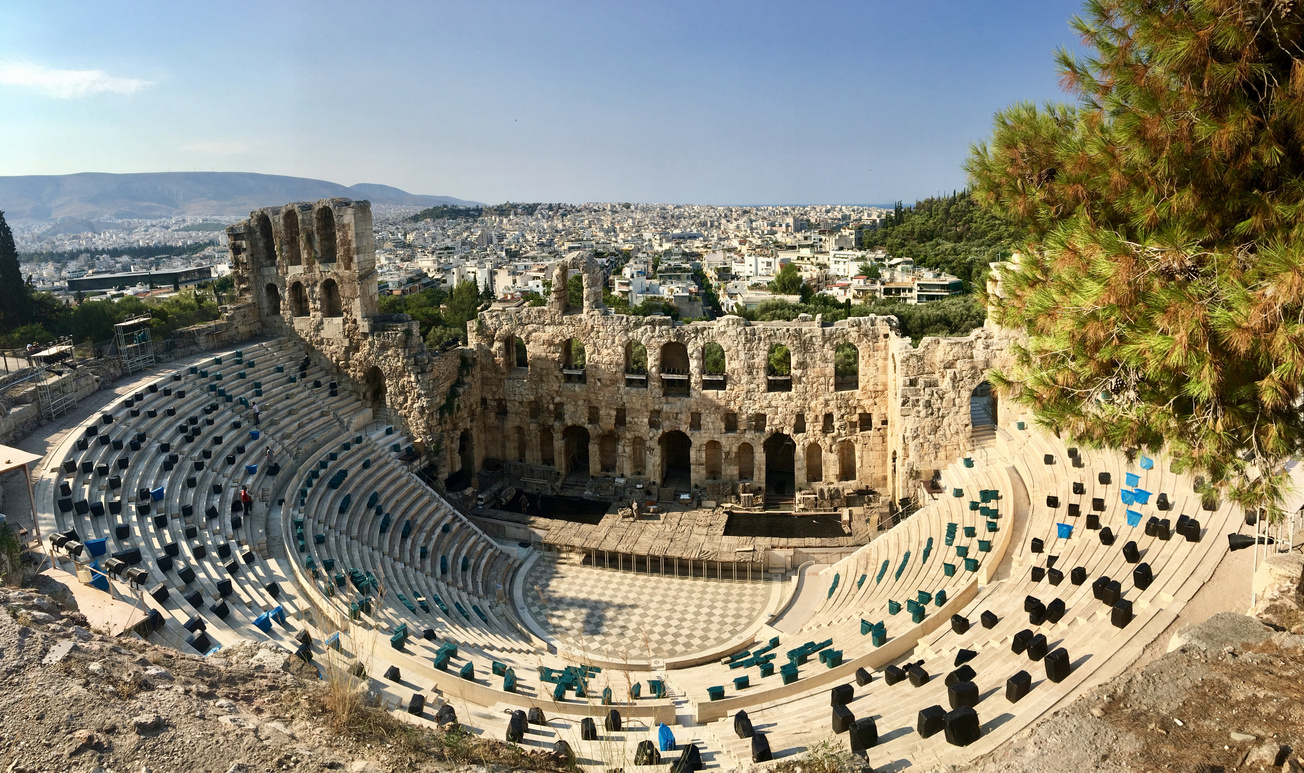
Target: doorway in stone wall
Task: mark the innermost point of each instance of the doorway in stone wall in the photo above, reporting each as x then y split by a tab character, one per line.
780	468
575	463
676	461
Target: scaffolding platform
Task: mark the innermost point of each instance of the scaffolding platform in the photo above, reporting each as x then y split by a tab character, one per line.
55	365
135	346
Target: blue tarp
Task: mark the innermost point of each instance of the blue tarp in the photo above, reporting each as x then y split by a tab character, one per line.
1065	530
1133	518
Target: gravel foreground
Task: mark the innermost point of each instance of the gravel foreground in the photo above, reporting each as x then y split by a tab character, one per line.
74	700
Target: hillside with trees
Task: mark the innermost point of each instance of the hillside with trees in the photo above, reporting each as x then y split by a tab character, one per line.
947	233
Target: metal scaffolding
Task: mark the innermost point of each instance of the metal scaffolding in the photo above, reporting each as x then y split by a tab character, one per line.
134	343
55	366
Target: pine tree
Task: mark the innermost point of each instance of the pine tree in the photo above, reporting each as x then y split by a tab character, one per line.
13	291
1162	281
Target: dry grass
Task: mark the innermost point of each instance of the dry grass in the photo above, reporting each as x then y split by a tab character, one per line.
827	756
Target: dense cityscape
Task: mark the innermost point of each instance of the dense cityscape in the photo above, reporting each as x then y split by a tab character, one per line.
661	252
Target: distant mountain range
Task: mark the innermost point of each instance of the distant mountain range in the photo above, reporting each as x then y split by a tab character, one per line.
170	194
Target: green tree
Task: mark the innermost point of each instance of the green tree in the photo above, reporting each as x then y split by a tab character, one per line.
13	291
787	281
779	361
463	305
1161	282
575	291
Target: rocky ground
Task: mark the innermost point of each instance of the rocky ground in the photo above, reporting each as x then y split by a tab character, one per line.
74	700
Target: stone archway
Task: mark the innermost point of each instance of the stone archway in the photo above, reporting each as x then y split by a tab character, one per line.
575	451
846	460
676	459
272	294
746	461
265	255
714	460
290	239
325	232
298	300
814	463
330	299
780	465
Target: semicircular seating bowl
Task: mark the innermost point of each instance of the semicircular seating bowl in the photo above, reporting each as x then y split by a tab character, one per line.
433	569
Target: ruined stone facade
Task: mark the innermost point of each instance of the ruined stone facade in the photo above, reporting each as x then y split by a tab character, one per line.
553	391
310	269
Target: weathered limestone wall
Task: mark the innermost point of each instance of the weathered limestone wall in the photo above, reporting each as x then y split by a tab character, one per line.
310	270
530	412
930	390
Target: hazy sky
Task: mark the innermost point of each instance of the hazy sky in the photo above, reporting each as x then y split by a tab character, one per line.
690	102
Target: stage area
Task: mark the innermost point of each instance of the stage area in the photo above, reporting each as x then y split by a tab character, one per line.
627	617
783	525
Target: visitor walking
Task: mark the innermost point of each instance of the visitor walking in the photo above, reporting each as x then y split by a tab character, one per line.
257	411
246	501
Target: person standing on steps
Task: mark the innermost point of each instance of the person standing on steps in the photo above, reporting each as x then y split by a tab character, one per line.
246	501
257	411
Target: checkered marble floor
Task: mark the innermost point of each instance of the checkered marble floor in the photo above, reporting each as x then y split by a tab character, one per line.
621	615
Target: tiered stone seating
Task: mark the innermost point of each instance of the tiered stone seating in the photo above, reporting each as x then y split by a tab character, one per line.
190	440
1097	648
342	528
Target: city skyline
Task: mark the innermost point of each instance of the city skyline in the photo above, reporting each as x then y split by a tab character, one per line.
733	104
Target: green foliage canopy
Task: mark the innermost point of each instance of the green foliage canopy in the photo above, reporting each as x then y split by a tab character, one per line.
946	233
1161	282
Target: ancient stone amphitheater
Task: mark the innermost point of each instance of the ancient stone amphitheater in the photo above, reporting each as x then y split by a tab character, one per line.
1032	571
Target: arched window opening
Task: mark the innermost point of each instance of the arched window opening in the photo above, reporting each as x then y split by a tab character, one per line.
676	460
635	365
814	463
298	300
778	369
273	297
674	369
266	252
714	460
521	357
325	229
713	364
780	466
846	460
290	247
330	299
746	461
573	361
846	367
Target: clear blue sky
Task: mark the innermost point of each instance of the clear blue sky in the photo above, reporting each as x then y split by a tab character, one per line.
688	102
